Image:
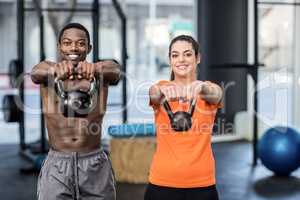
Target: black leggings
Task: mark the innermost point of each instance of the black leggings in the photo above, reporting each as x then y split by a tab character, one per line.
155	192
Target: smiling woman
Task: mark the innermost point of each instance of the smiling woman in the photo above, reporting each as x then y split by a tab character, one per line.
187	148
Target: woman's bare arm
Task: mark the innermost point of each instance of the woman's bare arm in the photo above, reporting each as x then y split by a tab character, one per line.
211	92
155	95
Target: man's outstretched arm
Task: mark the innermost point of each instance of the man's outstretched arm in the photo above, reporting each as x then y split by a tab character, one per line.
42	72
110	71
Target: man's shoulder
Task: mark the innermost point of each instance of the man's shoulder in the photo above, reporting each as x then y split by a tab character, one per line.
47	62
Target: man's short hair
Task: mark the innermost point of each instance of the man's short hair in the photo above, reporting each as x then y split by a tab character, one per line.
74	25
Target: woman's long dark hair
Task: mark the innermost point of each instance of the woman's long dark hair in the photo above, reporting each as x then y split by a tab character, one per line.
188	39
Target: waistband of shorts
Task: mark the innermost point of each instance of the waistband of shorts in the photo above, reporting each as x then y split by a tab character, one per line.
67	155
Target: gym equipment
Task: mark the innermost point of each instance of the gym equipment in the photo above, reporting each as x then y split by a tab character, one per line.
76	103
131	130
36	159
279	150
180	120
39	161
14	72
11	111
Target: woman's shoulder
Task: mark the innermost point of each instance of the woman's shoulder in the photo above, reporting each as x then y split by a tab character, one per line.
163	82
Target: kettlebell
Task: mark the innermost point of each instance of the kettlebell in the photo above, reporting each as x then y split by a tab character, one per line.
76	103
180	120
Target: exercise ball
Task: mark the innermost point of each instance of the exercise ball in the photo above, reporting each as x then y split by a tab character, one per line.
279	150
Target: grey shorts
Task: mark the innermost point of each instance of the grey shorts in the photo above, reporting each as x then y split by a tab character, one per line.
84	176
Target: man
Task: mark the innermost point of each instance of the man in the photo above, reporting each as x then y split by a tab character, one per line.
76	167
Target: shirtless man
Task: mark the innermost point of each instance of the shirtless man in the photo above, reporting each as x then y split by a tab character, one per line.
76	167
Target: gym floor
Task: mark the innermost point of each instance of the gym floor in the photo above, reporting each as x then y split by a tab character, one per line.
236	179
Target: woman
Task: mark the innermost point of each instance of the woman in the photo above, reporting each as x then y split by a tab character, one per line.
183	164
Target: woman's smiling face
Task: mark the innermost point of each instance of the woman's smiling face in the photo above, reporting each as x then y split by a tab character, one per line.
183	59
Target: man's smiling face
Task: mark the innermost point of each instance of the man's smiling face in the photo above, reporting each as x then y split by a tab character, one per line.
73	45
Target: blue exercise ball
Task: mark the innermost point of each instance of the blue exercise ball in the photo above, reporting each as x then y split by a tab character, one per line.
279	150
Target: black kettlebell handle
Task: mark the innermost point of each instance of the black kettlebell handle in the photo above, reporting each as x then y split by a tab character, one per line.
59	89
192	106
168	109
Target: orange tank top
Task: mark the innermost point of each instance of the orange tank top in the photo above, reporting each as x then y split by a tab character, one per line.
184	159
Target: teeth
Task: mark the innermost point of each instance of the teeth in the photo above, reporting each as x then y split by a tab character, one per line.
182	66
73	56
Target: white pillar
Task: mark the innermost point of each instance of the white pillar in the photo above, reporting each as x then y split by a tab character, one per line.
296	74
152	17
